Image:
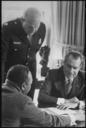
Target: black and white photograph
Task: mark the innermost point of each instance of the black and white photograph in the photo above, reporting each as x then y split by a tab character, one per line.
43	64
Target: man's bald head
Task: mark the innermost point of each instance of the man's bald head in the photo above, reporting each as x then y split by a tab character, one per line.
31	20
32	14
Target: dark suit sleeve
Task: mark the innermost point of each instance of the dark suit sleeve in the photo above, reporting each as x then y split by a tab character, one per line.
4	47
37	117
45	98
82	89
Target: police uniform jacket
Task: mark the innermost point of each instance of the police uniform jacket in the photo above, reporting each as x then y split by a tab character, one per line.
16	46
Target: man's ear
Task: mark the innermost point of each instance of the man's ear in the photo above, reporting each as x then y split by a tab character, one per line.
23	86
81	65
22	19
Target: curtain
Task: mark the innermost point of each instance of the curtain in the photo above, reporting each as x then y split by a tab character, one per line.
69	24
67	30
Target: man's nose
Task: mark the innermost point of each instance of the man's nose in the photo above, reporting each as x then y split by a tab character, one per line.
71	70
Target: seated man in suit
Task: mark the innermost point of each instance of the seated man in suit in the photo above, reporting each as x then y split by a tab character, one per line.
64	85
18	109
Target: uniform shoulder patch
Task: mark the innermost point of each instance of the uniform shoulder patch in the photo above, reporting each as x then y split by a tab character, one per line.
5	24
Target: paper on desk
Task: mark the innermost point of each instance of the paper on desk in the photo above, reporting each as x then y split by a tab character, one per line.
79	114
55	111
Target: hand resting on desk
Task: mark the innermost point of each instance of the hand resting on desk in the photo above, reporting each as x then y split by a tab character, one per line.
68	105
72	103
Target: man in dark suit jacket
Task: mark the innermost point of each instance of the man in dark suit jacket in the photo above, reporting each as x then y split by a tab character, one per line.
18	109
21	39
55	89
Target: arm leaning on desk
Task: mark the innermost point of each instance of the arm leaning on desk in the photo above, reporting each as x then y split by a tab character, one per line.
54	88
39	118
79	115
26	113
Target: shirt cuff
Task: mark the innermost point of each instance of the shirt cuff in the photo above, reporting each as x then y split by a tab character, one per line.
60	101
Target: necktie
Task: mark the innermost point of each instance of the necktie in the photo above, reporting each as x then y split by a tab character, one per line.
68	87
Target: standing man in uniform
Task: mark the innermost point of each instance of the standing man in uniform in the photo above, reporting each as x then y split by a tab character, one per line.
21	39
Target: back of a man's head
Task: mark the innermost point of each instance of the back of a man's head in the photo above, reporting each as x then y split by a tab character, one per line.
17	74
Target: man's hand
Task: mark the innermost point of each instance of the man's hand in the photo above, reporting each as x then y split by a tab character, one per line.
72	118
62	107
68	103
73	100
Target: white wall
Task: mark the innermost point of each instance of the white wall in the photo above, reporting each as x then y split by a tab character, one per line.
14	9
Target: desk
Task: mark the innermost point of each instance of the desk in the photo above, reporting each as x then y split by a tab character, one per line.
79	114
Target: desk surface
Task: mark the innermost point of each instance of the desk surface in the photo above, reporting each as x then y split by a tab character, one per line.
79	114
